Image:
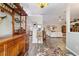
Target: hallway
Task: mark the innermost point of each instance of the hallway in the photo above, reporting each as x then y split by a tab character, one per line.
33	29
39	29
51	29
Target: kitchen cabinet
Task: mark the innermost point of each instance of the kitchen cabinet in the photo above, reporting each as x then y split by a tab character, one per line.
13	45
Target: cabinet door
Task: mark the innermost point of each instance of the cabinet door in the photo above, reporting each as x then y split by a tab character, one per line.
1	49
21	45
11	49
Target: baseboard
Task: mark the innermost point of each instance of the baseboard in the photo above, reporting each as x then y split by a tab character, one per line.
72	51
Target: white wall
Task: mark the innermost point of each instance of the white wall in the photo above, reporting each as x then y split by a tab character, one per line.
6	26
34	19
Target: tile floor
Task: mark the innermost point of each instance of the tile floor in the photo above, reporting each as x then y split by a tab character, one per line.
45	50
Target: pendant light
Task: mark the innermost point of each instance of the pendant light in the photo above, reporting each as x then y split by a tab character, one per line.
42	5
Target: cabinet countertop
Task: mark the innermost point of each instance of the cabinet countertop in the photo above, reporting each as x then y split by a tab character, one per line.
10	37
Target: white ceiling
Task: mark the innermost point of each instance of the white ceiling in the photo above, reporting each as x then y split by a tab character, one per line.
52	11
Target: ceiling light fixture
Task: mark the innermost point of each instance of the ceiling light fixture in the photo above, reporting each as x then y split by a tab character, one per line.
42	5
